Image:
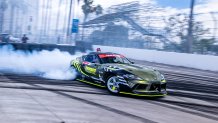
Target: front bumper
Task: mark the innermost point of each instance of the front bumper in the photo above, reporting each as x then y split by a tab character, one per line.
144	94
151	89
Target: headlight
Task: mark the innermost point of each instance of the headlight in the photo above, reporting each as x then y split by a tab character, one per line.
132	77
162	78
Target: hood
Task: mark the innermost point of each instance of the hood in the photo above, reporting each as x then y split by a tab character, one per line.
145	73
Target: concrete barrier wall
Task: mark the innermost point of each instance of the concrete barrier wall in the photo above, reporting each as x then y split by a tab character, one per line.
204	62
80	46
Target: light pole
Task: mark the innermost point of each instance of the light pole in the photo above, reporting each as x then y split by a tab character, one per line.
3	7
58	16
215	25
42	21
190	28
46	18
69	23
65	20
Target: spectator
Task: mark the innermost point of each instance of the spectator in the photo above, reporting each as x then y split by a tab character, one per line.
24	39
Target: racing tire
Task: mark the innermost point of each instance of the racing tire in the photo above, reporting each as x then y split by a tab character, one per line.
112	85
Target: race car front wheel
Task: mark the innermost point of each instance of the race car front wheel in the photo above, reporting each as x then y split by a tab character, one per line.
112	85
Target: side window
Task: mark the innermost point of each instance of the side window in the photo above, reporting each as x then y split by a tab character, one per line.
88	58
95	59
91	58
83	58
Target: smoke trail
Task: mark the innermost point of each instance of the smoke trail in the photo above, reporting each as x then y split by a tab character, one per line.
49	64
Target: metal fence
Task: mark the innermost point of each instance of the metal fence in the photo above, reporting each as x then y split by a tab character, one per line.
147	26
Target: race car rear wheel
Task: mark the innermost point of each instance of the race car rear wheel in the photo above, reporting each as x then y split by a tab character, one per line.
112	85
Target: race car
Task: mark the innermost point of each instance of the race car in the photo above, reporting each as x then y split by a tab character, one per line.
118	74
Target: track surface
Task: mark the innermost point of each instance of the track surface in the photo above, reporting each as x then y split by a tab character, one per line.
193	97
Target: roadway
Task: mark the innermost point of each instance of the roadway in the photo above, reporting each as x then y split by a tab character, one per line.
30	99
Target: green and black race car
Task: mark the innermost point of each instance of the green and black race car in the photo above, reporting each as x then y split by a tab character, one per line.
119	75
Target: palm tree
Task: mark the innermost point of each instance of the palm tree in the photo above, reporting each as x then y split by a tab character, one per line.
88	8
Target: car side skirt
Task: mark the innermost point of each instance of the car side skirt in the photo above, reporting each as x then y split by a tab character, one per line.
122	92
91	83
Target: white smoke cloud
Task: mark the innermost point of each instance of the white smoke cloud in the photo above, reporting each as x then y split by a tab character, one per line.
48	64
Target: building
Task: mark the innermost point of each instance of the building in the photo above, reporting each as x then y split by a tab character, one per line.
18	17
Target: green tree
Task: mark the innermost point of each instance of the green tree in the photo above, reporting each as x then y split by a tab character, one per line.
176	29
203	45
88	8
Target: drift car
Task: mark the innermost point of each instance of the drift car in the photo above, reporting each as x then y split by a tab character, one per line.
118	74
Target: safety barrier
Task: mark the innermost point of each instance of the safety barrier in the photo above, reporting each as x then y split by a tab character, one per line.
80	46
205	62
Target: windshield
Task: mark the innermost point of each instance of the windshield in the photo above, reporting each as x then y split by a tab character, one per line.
114	58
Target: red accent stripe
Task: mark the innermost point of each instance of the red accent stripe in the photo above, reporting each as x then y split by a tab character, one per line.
110	55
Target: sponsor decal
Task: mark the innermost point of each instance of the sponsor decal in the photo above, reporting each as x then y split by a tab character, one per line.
90	70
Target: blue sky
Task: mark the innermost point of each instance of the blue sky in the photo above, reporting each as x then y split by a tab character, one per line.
174	3
180	4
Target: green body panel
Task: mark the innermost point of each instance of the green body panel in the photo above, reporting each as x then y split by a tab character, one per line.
145	73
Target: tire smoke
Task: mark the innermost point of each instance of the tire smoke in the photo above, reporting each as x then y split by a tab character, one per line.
48	64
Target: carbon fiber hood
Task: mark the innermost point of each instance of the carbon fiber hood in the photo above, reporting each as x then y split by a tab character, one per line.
145	73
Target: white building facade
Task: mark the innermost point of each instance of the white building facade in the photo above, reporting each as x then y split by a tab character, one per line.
18	17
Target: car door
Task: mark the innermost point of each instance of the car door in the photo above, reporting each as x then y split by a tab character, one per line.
90	65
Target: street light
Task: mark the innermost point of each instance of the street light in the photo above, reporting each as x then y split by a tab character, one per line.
69	31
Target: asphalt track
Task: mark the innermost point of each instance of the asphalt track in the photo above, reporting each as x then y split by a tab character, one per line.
192	98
